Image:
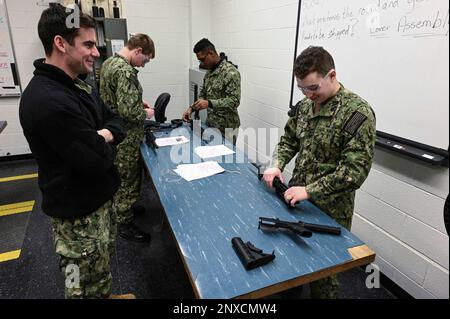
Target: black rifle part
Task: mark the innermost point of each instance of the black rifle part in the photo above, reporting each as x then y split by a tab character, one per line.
150	138
161	127
293	110
150	127
191	123
317	228
196	115
250	256
276	224
196	112
177	122
300	228
280	187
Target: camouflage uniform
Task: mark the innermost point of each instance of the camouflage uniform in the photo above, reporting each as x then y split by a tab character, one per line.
335	149
120	88
86	243
222	88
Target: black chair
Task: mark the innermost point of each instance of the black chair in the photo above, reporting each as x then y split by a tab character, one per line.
446	218
160	107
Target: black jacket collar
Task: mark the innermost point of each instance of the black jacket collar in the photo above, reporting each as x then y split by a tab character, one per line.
52	72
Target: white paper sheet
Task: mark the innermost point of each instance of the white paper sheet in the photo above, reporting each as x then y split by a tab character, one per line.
169	141
213	151
192	172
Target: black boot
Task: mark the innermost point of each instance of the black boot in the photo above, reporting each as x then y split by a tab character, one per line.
132	232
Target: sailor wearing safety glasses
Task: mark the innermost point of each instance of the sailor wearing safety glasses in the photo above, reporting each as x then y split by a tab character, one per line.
332	132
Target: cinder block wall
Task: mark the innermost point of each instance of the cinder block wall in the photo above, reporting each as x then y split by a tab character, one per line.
399	213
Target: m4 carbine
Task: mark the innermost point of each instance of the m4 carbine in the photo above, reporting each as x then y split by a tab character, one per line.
300	228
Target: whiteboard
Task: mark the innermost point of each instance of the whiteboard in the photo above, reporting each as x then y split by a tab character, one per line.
9	81
394	54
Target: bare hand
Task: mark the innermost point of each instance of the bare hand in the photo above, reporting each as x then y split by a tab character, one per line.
146	105
270	174
187	115
200	105
107	135
295	194
150	112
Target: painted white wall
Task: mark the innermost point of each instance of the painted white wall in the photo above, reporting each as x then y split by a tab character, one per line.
399	213
168	24
200	23
23	18
259	36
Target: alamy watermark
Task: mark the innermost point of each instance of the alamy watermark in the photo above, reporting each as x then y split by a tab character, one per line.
373	279
253	144
72	273
73	19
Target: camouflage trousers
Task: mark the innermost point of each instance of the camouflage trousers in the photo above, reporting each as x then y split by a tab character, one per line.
129	164
328	288
84	246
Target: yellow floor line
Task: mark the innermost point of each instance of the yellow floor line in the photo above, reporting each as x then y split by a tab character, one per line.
15	178
17	208
10	255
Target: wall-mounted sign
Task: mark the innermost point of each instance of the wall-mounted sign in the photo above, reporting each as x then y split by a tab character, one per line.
9	80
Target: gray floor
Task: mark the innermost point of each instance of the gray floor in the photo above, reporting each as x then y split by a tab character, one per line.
151	271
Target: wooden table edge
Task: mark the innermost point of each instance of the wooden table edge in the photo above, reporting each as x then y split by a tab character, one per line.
361	255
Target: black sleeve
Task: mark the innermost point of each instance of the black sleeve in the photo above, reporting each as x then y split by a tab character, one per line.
111	121
115	124
73	138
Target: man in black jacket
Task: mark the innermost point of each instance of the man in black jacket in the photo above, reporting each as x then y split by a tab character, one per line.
72	137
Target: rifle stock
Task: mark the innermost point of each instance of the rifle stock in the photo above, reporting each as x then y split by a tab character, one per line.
250	256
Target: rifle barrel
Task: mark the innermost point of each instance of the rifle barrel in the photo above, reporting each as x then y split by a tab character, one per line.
322	228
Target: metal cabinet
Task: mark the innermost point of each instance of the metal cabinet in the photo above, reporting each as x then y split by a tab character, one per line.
112	35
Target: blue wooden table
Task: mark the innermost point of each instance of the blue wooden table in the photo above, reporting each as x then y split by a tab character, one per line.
204	215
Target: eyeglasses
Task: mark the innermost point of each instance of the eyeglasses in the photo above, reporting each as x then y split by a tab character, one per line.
147	58
314	87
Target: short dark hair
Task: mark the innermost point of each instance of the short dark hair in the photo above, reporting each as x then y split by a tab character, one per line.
204	45
313	59
143	41
53	23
